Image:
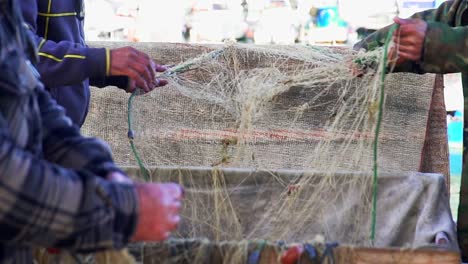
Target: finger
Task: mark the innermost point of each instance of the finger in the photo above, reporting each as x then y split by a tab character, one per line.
165	223
139	81
408	49
407	41
176	220
144	59
402	58
155	84
131	86
143	55
398	20
412	29
175	206
164	236
408	33
397	33
172	223
403	21
392	54
400	61
160	82
161	68
142	70
174	189
394	58
407	56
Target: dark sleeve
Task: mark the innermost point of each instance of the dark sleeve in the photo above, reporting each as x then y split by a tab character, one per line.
64	145
122	82
44	204
64	63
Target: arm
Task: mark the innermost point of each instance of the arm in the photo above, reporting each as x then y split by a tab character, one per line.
377	38
158	204
433	46
47	205
64	63
63	144
445	49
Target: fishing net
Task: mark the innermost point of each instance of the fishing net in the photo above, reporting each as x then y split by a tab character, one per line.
276	143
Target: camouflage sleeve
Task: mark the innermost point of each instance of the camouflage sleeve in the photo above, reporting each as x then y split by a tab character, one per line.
439	22
377	38
445	49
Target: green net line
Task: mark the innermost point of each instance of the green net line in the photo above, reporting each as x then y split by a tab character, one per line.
377	132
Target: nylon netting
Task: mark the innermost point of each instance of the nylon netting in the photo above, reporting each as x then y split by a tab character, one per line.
294	123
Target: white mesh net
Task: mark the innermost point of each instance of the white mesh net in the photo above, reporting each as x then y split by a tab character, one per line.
279	139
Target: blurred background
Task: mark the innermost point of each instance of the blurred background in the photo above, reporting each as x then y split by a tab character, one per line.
332	22
300	22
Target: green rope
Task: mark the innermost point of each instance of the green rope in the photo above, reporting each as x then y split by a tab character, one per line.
377	132
131	136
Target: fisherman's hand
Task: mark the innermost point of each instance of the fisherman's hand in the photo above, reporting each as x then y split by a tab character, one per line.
408	40
356	70
138	66
159	206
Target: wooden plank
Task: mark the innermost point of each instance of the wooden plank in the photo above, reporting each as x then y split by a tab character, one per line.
395	256
185	251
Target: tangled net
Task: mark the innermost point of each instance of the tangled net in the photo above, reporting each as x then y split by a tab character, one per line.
253	108
274	145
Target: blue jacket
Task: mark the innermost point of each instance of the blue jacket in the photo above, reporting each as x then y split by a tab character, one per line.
67	66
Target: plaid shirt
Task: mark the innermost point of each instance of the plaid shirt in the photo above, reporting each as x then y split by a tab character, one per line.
49	190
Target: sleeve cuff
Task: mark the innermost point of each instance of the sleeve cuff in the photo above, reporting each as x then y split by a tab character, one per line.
124	201
120	81
97	62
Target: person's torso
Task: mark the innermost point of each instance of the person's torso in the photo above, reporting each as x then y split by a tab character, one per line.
20	117
61	20
64	21
18	82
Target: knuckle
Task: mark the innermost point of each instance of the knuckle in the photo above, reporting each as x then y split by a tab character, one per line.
134	76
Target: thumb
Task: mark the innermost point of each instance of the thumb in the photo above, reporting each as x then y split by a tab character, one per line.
402	21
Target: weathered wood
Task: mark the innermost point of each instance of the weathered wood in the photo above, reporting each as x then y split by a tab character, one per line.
199	251
395	256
